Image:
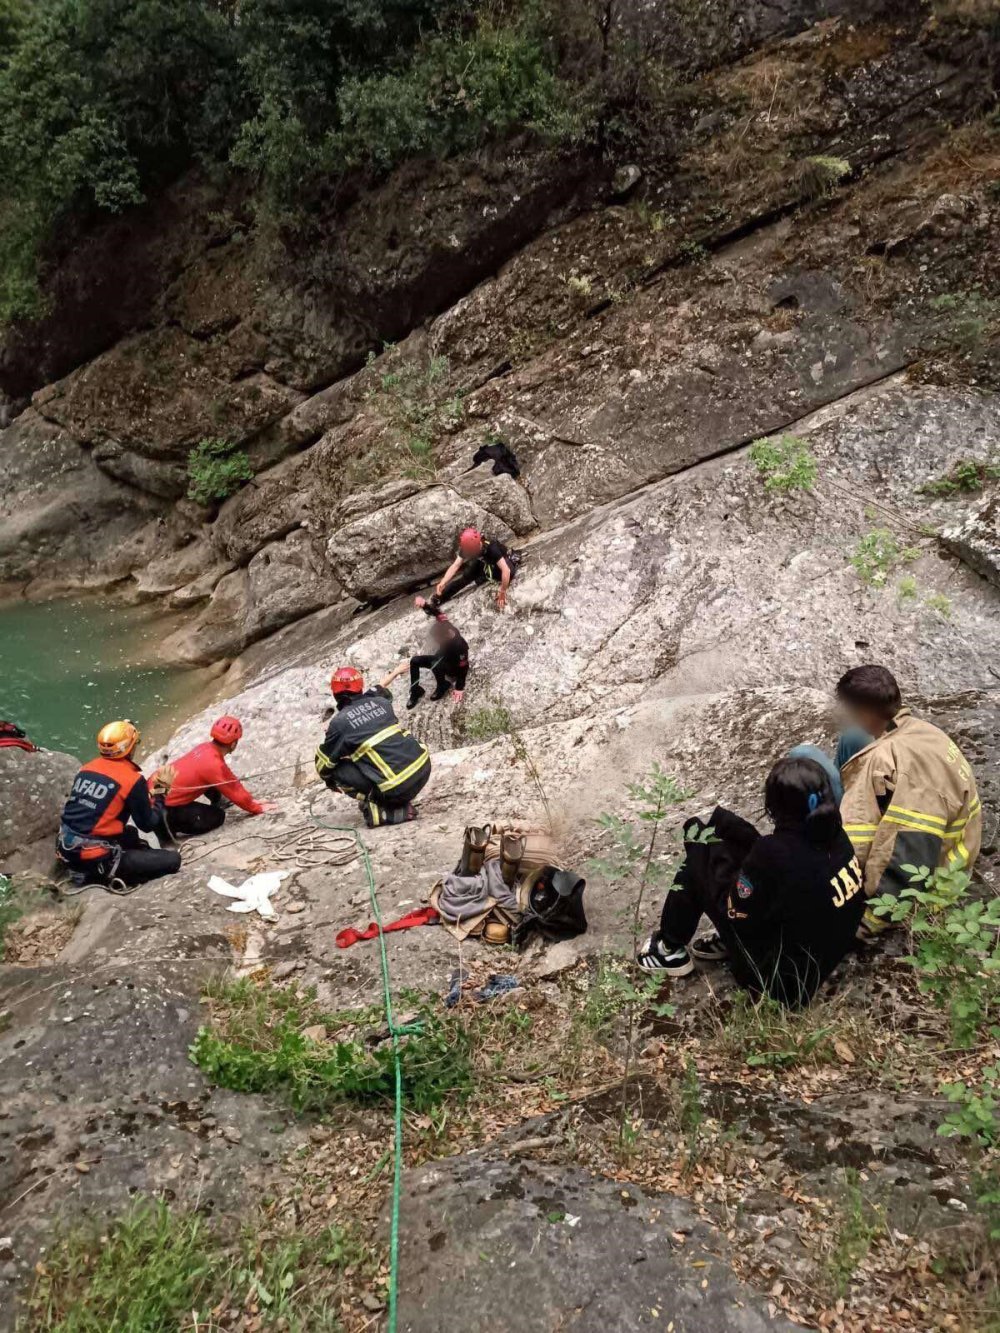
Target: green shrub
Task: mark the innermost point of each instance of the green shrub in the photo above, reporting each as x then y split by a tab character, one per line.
956	945
965	318
216	469
458	91
785	463
966	477
877	556
485	724
157	1269
258	1042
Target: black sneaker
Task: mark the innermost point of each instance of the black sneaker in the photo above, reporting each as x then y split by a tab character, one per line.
416	694
440	692
710	949
671	959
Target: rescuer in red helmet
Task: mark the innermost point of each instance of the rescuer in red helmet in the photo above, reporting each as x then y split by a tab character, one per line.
479	561
204	772
368	755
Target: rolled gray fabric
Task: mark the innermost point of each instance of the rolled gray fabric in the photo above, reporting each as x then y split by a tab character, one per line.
464	896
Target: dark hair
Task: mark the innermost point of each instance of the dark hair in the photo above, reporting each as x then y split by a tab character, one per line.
798	791
871	687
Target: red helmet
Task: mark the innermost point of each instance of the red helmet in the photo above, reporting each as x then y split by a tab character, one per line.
227	730
469	541
347	680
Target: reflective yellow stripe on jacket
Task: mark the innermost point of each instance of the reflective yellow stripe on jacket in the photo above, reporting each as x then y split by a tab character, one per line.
390	780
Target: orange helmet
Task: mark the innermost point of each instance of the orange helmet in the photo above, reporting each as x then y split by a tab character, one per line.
469	541
117	740
227	730
347	680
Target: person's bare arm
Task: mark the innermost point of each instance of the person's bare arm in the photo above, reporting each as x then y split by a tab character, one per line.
394	674
449	574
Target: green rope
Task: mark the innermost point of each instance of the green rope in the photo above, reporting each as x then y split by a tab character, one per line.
396	1033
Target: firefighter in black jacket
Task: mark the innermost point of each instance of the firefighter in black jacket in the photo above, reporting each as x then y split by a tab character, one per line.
368	755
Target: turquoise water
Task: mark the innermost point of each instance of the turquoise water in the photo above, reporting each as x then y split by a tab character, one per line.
69	666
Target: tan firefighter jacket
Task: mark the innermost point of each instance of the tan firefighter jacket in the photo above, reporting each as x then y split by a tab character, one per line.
910	799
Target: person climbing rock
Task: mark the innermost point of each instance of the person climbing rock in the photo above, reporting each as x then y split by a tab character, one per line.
479	561
204	772
448	664
785	906
910	796
368	755
95	839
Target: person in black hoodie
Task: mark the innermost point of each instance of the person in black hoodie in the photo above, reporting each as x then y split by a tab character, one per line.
786	906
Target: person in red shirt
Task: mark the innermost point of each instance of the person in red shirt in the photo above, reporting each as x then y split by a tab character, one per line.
205	772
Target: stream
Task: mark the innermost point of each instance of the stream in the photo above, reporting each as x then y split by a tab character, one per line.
70	665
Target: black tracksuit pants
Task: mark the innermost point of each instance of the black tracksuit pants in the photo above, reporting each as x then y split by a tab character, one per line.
433	664
706	877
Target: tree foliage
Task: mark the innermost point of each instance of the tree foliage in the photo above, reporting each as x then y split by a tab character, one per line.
104	101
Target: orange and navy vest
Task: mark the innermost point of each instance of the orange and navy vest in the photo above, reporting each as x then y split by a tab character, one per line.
97	799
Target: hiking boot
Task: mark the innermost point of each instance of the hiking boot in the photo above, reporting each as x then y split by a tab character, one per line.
416	694
511	850
710	949
440	692
673	960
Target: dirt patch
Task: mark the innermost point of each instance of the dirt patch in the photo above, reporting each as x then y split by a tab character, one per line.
39	937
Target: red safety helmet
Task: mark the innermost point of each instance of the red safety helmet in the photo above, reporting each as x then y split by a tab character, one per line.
469	541
347	680
227	730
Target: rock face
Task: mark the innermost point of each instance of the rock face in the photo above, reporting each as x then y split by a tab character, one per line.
59	516
585	1253
369	558
977	538
33	788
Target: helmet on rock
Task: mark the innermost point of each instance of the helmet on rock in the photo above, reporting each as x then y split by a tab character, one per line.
117	740
347	680
470	541
227	730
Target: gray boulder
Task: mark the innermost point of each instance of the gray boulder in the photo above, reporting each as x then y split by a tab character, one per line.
582	1252
33	788
976	538
397	546
283	582
57	511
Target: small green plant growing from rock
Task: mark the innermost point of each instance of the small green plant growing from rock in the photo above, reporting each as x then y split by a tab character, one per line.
407	396
580	285
216	469
967	318
975	1116
857	1225
878	554
642	856
785	463
906	590
966	477
692	252
821	175
939	602
955	945
487	723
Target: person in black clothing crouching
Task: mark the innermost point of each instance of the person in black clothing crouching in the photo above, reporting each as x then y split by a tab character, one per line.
448	663
786	906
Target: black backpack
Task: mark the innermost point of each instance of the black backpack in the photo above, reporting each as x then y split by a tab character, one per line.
554	907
